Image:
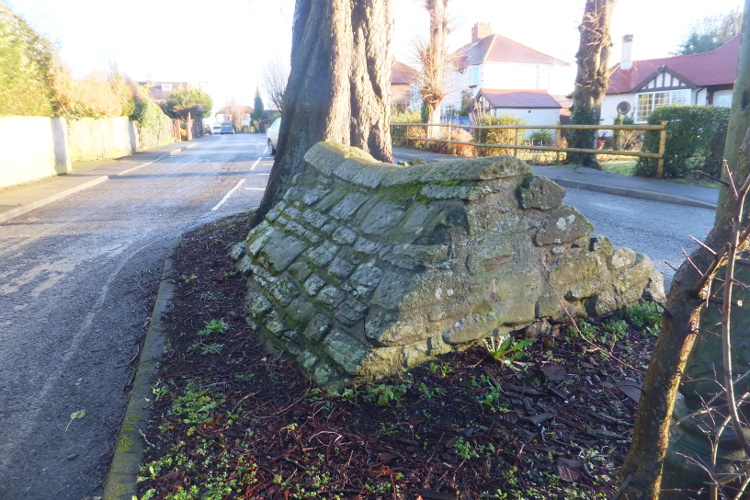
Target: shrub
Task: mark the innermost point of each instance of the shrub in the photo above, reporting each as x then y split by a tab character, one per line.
399	134
541	138
500	136
695	140
27	66
154	127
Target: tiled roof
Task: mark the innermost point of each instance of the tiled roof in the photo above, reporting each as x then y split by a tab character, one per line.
718	67
497	48
401	74
519	98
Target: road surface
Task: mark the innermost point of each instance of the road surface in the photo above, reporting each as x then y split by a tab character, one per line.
77	281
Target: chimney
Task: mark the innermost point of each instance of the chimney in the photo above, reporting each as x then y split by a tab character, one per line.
626	59
479	31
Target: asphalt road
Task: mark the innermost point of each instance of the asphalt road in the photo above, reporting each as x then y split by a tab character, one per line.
77	280
657	229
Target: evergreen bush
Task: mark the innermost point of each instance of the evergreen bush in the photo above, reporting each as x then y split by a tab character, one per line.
154	127
695	140
499	136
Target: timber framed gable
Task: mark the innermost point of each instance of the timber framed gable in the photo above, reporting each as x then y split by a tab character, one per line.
665	79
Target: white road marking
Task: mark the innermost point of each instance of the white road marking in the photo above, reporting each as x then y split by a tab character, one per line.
255	189
256	163
226	196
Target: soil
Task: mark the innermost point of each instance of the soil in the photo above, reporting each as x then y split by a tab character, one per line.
232	421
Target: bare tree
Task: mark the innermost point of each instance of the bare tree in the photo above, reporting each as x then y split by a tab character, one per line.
686	308
592	78
436	62
710	33
275	75
339	85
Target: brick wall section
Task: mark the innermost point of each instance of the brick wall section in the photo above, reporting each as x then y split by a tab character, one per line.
365	269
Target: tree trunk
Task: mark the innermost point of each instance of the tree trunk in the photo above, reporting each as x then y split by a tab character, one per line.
339	86
435	62
678	336
592	78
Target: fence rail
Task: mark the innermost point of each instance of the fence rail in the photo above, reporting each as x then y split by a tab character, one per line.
661	128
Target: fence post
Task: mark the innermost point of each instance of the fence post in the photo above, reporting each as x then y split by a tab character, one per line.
662	149
558	140
515	143
450	139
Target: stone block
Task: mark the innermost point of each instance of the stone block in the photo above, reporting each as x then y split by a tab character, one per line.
476	169
315	194
350	311
323	254
349	205
344	350
392	290
622	257
317	328
281	250
366	246
300	270
371	177
314	284
331	296
344	236
384	217
326	156
341	268
405	176
561	226
284	291
540	193
301	310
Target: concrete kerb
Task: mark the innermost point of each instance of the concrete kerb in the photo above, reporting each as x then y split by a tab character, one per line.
121	482
633	193
15	212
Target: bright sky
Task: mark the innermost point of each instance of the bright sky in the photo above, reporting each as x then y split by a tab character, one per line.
223	46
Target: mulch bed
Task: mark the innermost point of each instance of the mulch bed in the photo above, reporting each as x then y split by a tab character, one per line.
231	420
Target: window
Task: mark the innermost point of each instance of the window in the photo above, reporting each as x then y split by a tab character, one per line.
166	86
648	102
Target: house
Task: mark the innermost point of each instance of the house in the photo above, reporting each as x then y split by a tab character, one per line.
492	62
224	115
159	91
403	85
535	107
638	87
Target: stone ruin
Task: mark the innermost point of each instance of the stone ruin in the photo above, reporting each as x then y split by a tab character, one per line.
366	269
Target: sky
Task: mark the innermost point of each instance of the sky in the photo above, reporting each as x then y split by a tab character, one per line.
223	46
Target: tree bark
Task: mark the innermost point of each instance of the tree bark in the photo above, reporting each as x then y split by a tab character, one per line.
339	86
592	78
678	337
435	62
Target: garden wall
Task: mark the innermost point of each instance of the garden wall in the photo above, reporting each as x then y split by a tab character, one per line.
101	138
365	269
32	148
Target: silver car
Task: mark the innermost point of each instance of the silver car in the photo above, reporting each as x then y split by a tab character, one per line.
272	134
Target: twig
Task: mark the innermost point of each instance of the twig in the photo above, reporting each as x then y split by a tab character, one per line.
702	244
623	487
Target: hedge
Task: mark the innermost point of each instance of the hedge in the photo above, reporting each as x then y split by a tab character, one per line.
695	141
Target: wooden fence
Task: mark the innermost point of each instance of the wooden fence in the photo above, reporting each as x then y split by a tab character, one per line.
662	128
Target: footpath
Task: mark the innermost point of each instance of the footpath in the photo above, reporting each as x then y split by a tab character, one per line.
22	198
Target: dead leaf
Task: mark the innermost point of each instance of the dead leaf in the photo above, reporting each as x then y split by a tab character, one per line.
567	474
554	373
631	390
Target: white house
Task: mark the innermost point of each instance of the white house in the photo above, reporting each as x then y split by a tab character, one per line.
535	107
638	87
492	61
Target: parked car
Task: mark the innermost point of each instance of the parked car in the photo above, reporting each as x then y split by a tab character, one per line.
216	130
227	128
272	134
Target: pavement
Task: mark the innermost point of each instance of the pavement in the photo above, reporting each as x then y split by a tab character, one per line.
22	198
18	200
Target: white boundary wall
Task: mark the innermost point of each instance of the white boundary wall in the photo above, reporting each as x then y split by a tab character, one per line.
33	148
